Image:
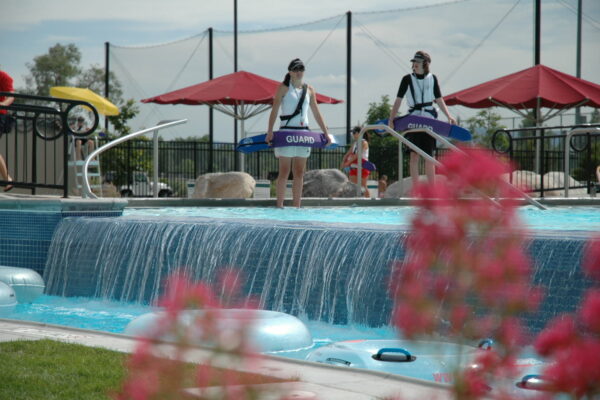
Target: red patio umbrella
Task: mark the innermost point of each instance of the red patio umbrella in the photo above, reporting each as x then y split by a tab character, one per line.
534	87
236	89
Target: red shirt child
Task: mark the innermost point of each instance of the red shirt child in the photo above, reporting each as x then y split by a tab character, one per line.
6	85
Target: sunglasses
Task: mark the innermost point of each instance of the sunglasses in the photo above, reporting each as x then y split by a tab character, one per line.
297	69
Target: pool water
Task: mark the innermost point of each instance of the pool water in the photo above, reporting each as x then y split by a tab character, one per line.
555	218
113	316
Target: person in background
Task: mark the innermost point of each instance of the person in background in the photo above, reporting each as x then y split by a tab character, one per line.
351	160
6	85
294	97
422	90
81	126
382	186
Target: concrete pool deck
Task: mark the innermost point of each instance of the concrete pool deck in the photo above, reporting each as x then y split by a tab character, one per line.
311	380
73	204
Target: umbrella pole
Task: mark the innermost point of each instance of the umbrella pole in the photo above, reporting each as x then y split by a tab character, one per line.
538	124
242	158
243	134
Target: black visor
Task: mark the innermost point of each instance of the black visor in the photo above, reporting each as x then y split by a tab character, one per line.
296	65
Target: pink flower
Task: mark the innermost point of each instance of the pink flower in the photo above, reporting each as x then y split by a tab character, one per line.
559	334
576	369
413	321
591	260
590	311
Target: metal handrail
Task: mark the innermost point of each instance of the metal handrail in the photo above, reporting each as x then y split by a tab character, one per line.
590	130
420	152
87	190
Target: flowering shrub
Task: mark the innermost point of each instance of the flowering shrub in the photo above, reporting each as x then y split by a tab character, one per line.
159	371
465	274
572	342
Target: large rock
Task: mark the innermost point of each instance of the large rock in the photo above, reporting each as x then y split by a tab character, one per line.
529	180
224	185
397	190
328	183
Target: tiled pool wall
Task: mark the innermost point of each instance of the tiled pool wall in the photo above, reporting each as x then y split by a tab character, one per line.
27	226
324	272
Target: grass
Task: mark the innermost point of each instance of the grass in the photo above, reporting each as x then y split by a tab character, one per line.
48	370
45	369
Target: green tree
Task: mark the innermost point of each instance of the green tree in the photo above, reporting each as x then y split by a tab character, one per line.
379	111
127	111
57	68
93	78
383	149
483	125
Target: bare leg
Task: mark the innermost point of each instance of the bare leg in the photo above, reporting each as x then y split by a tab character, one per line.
4	173
414	168
4	170
90	146
78	152
430	171
363	183
298	166
285	166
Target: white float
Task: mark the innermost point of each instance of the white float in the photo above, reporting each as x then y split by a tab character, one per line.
8	299
27	284
428	360
432	361
269	331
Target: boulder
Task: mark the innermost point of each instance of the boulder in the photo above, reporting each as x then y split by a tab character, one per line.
395	190
328	183
224	185
523	179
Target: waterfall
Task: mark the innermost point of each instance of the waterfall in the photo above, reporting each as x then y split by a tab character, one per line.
337	273
331	272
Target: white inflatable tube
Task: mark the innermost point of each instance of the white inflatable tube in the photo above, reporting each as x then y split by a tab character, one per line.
269	331
432	361
27	284
8	299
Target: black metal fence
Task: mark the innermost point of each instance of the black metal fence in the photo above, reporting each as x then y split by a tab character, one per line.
538	155
34	141
183	161
37	148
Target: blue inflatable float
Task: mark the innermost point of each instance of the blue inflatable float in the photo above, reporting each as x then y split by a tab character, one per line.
269	331
27	284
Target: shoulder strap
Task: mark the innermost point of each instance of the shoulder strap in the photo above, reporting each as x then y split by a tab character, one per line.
298	109
412	88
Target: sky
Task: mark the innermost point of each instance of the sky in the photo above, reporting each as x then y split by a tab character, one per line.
157	46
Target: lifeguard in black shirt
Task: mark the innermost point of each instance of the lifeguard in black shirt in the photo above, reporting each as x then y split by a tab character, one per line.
422	90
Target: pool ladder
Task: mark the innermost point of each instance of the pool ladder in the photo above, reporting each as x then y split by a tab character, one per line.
403	140
87	190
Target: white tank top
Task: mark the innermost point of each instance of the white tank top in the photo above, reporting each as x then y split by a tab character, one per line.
289	104
365	153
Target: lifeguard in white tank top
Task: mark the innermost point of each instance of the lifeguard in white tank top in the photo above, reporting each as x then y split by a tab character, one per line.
289	103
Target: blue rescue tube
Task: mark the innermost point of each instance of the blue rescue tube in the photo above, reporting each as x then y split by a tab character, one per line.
442	128
432	361
8	299
269	331
27	284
